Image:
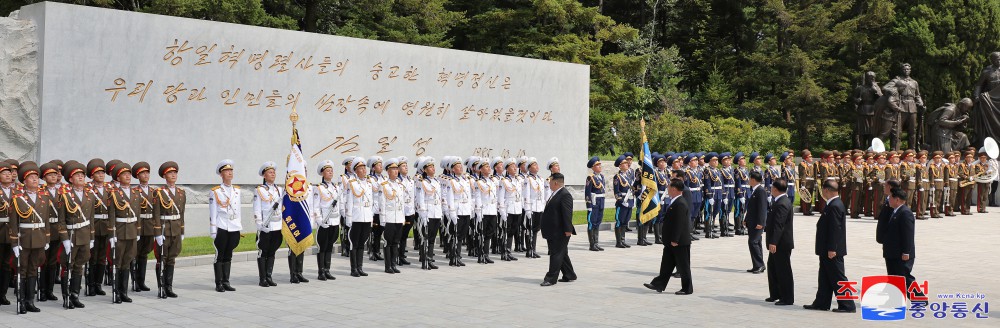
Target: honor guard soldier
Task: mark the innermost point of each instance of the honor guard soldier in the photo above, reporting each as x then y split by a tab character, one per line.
511	207
345	230
728	195
662	163
693	183
409	208
856	179
773	171
327	204
225	224
375	178
359	212
632	177
126	228
807	187
102	227
169	204
951	190
267	199
714	195
488	206
877	175
593	193
390	203
866	202
624	201
911	181
924	192
788	172
151	229
742	175
453	191
497	163
937	174
429	212
966	181
7	190
76	208
52	176
30	237
982	169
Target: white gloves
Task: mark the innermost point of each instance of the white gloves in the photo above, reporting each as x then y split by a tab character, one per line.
46	246
711	202
214	235
213	231
91	243
182	238
67	246
17	251
725	202
113	241
138	238
159	240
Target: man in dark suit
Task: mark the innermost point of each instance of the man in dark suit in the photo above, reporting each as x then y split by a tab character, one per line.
677	242
756	220
886	211
897	238
831	247
557	227
780	285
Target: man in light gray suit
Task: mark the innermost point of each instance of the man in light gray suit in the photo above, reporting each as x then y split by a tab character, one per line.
756	220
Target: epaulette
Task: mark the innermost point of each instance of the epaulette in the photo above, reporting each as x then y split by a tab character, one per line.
236	187
216	188
385	182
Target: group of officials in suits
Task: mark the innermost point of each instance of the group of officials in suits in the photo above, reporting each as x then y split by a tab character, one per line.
769	213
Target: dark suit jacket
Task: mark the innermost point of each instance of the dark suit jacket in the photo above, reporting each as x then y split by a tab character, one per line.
557	219
831	231
757	208
883	219
677	227
897	239
779	224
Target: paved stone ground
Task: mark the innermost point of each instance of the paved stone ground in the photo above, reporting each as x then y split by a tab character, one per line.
954	254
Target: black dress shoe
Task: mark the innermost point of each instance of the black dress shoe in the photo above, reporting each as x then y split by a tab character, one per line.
751	270
839	310
547	283
770	299
650	286
564	279
694	238
676	275
681	292
782	303
758	271
811	307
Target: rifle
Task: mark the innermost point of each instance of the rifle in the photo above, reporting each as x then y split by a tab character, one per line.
65	274
424	255
160	292
17	268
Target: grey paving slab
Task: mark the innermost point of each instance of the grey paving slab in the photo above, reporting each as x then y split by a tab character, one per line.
956	254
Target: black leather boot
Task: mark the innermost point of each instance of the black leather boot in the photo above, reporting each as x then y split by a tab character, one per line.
269	261
392	256
122	279
326	268
354	264
262	272
388	261
361	264
30	284
320	265
4	285
225	276
74	287
292	270
217	268
657	230
140	274
168	281
99	271
299	266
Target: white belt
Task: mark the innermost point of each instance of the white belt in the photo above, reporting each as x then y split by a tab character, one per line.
145	216
31	225
938	180
169	217
831	178
810	178
913	179
716	188
598	195
78	225
53	220
745	186
4	220
925	180
100	216
729	186
952	179
125	220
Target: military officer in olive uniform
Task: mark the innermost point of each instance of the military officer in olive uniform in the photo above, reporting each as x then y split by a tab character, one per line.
7	189
126	228
150	228
76	208
102	227
30	210
50	172
168	208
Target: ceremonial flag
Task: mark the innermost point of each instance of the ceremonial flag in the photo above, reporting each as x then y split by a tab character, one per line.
296	226
651	193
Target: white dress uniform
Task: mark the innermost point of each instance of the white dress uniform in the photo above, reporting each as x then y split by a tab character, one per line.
511	208
342	186
428	203
360	204
327	201
266	215
226	222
